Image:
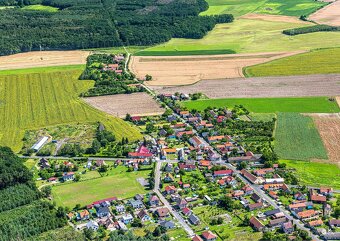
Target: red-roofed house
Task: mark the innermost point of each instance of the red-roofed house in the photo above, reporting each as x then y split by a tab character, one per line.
256	224
222	173
208	236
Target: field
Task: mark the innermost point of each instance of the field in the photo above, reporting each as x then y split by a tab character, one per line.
39	7
249	36
119	183
322	61
140	104
238	8
43	59
296	138
329	129
190	69
328	15
271	105
315	173
290	86
41	99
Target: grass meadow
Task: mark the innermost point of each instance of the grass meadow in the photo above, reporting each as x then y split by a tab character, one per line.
35	98
247	36
239	8
39	7
296	138
270	105
118	183
321	61
316	173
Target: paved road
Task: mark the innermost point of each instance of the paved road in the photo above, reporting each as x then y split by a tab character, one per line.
76	158
174	213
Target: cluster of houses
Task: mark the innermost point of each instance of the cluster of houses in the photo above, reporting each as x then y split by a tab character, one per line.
114	214
116	67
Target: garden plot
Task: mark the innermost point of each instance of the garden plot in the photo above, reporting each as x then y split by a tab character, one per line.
140	104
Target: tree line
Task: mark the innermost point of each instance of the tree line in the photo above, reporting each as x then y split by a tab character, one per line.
311	29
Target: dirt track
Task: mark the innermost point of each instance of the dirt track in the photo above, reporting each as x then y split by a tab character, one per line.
183	70
140	104
329	129
42	59
328	15
308	85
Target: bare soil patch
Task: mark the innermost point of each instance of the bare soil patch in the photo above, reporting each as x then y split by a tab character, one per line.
290	86
42	59
184	70
274	18
329	15
329	129
140	104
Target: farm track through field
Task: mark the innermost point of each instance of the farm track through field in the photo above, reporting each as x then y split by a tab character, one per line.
290	86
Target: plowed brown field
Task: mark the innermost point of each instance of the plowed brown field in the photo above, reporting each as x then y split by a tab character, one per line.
329	129
184	70
140	104
289	86
328	15
43	59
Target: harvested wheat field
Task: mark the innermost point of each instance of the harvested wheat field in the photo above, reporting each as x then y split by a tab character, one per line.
274	18
140	104
329	15
329	129
290	86
43	59
185	70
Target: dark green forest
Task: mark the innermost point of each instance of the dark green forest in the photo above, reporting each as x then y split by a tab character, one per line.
80	24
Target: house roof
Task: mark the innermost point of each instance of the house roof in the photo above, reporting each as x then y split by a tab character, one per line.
169	150
306	213
170	188
277	221
204	163
197	238
83	213
223	172
154	198
248	175
315	223
186	210
334	222
110	199
255	222
142	213
297	205
287	225
318	198
214	138
255	205
162	212
208	235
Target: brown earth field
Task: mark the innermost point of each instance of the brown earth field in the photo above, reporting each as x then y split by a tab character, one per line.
140	104
43	59
184	70
329	129
290	86
274	18
329	15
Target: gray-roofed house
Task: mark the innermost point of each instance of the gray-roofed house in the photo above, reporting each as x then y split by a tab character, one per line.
136	203
103	212
194	219
167	224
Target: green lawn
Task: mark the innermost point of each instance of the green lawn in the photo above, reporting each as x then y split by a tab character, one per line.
247	36
316	173
39	7
30	163
119	183
238	8
36	98
296	138
270	105
322	61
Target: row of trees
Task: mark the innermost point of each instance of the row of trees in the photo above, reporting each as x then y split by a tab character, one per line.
311	29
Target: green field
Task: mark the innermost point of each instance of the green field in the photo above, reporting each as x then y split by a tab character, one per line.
296	138
118	183
270	105
322	61
38	98
239	8
316	173
39	7
247	36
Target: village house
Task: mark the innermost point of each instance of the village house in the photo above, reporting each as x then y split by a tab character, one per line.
162	212
120	208
168	167
143	216
153	200
196	142
263	172
248	190
181	203
208	236
186	211
68	176
315	197
287	227
315	223
222	173
100	163
168	178
299	196
306	214
170	189
167	224
83	215
127	218
136	204
92	225
255	206
197	238
102	211
334	223
187	167
256	224
253	179
256	198
108	223
277	222
43	163
327	191
193	219
213	139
